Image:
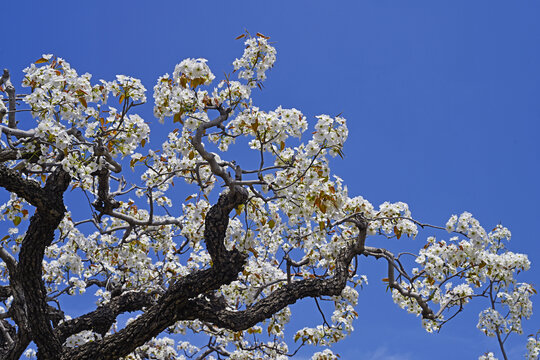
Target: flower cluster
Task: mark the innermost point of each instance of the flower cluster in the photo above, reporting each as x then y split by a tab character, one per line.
231	93
126	87
327	354
487	356
57	88
258	57
177	96
269	130
533	348
82	338
479	261
393	218
331	132
157	348
193	70
73	119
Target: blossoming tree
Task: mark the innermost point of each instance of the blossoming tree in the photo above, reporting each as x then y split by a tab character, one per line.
225	263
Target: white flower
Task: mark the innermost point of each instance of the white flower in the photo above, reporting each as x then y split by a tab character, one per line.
487	356
533	348
326	354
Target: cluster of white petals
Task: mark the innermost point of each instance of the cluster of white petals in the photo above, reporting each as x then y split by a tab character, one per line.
259	56
487	356
327	354
533	348
82	338
178	95
193	69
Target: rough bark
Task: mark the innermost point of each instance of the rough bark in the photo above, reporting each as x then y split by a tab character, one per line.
156	318
29	190
101	319
39	235
288	294
29	307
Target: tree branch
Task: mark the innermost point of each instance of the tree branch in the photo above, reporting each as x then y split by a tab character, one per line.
197	144
10	90
101	319
39	235
10	261
288	294
29	190
226	265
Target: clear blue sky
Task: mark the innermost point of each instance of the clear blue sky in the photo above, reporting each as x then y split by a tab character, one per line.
441	97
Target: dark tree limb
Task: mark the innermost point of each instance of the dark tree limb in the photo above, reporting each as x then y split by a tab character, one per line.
30	294
10	261
427	312
164	313
208	156
288	294
101	319
29	190
5	292
8	154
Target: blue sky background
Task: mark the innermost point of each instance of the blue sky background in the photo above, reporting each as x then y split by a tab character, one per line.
441	98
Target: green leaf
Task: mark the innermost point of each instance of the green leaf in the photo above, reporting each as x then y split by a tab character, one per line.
178	118
196	82
183	81
397	232
17	220
255	125
239	209
41	61
254	252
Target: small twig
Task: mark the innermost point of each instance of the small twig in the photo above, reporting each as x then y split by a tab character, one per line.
262	287
291	262
322	313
